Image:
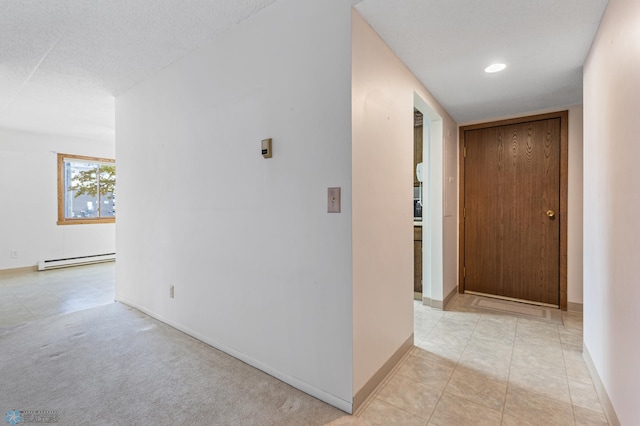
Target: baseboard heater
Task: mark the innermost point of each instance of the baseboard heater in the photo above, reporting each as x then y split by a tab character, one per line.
75	261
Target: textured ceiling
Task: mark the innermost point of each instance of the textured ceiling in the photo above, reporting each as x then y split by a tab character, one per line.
448	43
62	61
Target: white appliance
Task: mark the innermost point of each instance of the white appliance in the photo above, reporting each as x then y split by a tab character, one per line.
417	202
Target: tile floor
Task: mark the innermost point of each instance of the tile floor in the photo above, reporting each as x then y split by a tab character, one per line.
469	367
472	367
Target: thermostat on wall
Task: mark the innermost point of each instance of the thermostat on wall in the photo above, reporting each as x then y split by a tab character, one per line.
266	148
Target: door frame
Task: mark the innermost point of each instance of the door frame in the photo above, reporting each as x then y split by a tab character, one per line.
564	179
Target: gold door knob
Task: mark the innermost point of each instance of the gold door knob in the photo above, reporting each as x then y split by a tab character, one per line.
551	214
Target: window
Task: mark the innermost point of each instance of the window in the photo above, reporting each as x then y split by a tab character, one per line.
86	190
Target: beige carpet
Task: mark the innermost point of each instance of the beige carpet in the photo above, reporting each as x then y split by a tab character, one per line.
112	365
522	310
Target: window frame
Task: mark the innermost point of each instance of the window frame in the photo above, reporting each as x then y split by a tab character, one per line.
62	220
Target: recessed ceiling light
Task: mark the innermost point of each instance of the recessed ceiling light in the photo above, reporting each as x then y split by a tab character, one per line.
495	68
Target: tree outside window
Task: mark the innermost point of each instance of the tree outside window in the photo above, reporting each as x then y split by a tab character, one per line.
86	190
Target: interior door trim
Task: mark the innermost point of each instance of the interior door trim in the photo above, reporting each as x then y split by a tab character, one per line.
564	178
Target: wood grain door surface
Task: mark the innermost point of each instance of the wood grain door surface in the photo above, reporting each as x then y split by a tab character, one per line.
511	208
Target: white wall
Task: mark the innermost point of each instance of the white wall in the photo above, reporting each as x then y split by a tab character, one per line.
574	202
612	206
575	209
29	188
383	100
260	269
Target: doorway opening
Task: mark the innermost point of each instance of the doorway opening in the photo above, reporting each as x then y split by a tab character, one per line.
418	197
431	223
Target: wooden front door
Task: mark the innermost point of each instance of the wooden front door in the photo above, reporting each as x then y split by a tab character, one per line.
512	208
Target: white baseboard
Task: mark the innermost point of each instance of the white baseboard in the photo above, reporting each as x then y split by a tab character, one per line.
346	406
607	406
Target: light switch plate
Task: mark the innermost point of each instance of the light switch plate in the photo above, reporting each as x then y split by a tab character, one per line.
333	200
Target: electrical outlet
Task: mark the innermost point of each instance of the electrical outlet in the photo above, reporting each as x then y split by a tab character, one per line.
333	200
13	254
171	293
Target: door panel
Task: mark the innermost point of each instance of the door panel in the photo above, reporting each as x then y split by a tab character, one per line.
511	181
